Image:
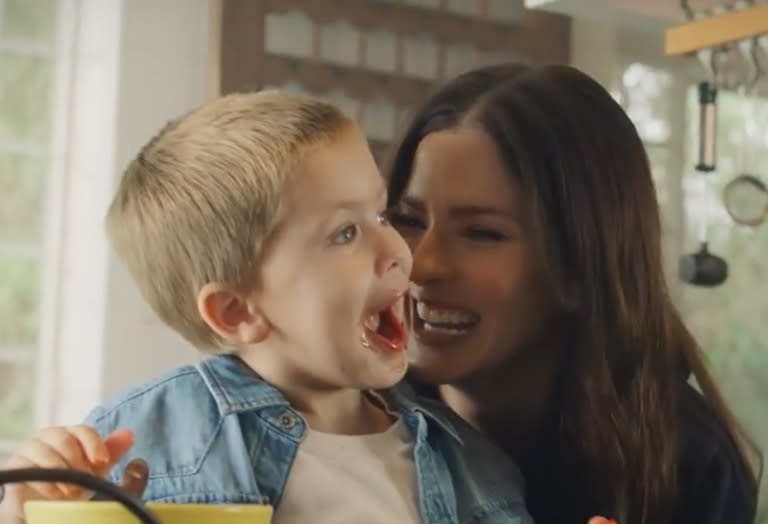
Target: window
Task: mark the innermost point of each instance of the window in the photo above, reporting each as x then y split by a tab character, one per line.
28	31
729	320
648	95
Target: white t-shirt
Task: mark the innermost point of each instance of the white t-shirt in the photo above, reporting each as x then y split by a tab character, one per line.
352	479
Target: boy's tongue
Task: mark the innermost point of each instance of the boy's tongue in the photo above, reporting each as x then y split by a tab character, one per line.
385	330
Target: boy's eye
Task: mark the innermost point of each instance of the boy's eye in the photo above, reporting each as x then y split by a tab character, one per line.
345	235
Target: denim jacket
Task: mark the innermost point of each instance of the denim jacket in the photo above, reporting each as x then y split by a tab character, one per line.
216	433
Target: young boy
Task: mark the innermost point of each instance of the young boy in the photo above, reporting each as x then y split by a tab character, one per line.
255	227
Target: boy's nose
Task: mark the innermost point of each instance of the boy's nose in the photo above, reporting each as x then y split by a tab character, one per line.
395	256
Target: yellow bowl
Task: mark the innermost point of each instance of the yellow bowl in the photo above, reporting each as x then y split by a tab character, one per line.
107	512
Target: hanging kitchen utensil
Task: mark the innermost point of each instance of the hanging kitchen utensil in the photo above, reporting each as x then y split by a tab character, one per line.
746	200
746	196
703	268
707	127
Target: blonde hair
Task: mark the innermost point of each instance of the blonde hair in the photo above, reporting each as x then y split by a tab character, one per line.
197	203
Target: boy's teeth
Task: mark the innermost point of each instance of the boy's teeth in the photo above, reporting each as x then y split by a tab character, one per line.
372	322
436	315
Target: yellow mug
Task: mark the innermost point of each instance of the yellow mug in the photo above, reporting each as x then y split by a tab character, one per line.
108	512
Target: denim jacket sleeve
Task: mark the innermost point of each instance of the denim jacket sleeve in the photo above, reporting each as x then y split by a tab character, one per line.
193	452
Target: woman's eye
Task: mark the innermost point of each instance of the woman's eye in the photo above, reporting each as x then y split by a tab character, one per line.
346	235
484	235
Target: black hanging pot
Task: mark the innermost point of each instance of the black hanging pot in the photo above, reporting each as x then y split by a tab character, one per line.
103	488
703	268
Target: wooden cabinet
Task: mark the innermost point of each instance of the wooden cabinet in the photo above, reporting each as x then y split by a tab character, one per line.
374	58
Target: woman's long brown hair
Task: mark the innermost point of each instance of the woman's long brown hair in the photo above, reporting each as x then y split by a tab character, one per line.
582	164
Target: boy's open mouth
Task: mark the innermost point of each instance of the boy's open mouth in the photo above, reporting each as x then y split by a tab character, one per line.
385	330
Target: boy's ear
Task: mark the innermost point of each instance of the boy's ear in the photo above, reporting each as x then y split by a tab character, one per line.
231	315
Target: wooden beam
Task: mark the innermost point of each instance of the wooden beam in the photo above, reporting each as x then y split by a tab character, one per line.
236	46
215	9
717	30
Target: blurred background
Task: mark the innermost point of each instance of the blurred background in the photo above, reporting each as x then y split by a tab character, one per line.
84	83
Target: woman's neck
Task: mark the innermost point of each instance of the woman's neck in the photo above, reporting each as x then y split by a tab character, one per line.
511	403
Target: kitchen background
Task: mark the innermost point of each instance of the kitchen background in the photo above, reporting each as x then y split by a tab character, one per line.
83	83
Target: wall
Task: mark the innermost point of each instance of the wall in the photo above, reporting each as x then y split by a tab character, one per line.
135	64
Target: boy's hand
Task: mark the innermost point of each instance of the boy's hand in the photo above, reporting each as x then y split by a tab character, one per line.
74	447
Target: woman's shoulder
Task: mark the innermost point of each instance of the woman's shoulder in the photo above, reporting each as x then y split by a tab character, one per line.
702	434
715	484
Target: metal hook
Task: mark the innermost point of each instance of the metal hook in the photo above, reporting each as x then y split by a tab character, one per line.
753	53
713	67
686	9
701	55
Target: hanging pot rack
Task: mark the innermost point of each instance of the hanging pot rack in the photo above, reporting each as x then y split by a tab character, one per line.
712	31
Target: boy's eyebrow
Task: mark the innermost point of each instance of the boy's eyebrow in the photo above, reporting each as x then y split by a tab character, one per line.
381	195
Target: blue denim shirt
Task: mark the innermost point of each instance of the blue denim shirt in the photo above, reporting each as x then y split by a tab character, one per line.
216	433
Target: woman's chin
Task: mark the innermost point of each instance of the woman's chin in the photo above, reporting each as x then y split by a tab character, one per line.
432	371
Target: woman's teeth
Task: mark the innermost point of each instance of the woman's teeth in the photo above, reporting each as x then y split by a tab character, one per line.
445	319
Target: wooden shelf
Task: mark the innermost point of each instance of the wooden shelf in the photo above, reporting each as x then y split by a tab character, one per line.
524	36
718	30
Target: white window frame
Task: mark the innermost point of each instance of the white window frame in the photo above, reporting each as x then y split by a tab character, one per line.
34	250
86	62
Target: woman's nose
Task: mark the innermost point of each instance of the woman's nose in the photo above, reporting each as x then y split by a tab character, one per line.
429	261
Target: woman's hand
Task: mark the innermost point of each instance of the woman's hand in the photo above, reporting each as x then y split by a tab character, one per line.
601	520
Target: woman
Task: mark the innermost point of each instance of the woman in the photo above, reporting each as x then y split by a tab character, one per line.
539	308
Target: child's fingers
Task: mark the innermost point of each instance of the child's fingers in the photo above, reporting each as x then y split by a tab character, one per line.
75	448
71	443
66	444
92	445
37	454
117	444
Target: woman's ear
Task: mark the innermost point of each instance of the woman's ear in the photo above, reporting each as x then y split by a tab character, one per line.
231	315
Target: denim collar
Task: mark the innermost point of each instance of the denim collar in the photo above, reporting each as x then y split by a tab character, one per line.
236	389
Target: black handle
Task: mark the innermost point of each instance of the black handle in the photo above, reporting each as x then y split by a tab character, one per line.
85	480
